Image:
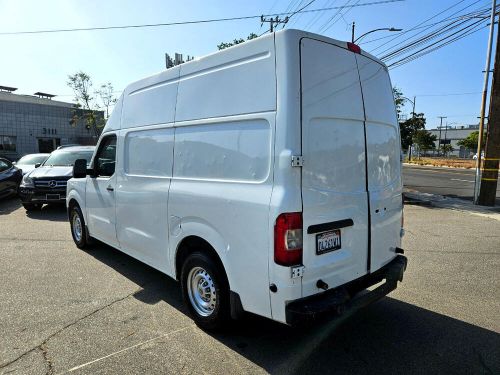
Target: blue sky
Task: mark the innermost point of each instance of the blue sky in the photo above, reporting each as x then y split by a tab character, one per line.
42	62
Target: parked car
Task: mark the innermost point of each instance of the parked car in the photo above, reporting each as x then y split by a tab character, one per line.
31	161
10	177
265	178
475	155
47	183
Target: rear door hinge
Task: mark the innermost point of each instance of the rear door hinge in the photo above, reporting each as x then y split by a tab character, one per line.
297	271
297	161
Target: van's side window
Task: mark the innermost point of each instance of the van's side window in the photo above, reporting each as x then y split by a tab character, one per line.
105	159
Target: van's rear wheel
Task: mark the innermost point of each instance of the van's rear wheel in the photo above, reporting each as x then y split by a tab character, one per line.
205	291
78	229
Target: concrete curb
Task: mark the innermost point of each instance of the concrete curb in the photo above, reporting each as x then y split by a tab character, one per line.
439	201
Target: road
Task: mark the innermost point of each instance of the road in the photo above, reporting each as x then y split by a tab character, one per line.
451	182
101	312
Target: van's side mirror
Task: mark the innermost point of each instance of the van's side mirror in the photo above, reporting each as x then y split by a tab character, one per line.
80	168
37	165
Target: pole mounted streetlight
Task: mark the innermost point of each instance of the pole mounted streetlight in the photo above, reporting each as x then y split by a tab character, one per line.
371	31
412	102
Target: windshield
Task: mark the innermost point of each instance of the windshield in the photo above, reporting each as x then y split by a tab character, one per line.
67	158
31	159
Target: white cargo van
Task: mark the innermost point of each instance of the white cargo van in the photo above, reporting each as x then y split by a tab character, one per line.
265	178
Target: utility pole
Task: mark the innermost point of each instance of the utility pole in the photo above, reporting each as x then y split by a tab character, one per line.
477	180
273	22
440	127
489	173
353	27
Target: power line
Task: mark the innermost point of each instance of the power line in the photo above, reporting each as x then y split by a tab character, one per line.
412	58
301	9
191	22
322	28
427	38
419	24
418	55
341	16
414	28
448	18
318	16
467	22
426	50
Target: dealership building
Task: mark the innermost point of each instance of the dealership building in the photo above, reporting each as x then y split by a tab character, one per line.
38	123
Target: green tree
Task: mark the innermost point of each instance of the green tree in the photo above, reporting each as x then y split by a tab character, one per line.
409	127
424	140
225	45
86	105
471	141
107	97
445	149
398	100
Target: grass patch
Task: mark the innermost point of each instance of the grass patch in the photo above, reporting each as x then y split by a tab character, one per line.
444	162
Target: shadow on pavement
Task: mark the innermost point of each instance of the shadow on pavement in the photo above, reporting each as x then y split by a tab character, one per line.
9	205
389	336
51	212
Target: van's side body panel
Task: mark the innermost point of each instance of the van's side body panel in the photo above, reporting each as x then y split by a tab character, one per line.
286	194
223	163
145	160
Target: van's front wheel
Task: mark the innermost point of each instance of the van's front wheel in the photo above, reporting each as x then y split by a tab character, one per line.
78	229
205	291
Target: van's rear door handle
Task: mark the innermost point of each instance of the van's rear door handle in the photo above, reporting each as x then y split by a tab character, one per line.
110	188
328	226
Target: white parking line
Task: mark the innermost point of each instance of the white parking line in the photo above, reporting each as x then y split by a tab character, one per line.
130	347
457	179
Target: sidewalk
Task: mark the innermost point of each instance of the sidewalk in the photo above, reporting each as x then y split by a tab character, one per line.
435	200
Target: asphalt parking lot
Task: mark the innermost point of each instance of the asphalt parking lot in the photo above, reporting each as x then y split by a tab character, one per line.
101	312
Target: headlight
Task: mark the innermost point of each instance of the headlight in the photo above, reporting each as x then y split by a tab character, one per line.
27	182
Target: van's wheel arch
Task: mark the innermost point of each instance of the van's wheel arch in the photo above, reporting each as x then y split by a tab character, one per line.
205	288
79	230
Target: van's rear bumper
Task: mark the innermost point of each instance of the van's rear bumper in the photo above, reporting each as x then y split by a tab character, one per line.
347	298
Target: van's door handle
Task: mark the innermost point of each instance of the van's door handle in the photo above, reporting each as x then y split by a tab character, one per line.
110	188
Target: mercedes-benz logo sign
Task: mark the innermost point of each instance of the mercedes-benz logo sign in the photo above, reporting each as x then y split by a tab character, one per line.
52	184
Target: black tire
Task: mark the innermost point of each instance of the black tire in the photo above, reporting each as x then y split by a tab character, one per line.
32	206
82	240
220	314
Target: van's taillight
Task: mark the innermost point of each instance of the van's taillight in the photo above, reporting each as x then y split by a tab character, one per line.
288	239
353	47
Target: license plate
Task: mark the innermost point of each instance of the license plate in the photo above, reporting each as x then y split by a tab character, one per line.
52	197
328	241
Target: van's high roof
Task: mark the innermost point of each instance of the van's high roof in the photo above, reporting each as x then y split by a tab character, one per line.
292	33
284	43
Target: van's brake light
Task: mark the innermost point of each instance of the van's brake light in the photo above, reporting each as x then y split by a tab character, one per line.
353	47
288	239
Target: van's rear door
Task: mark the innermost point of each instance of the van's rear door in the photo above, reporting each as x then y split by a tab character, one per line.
384	161
334	190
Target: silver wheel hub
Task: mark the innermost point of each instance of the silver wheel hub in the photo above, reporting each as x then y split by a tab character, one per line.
77	227
201	291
